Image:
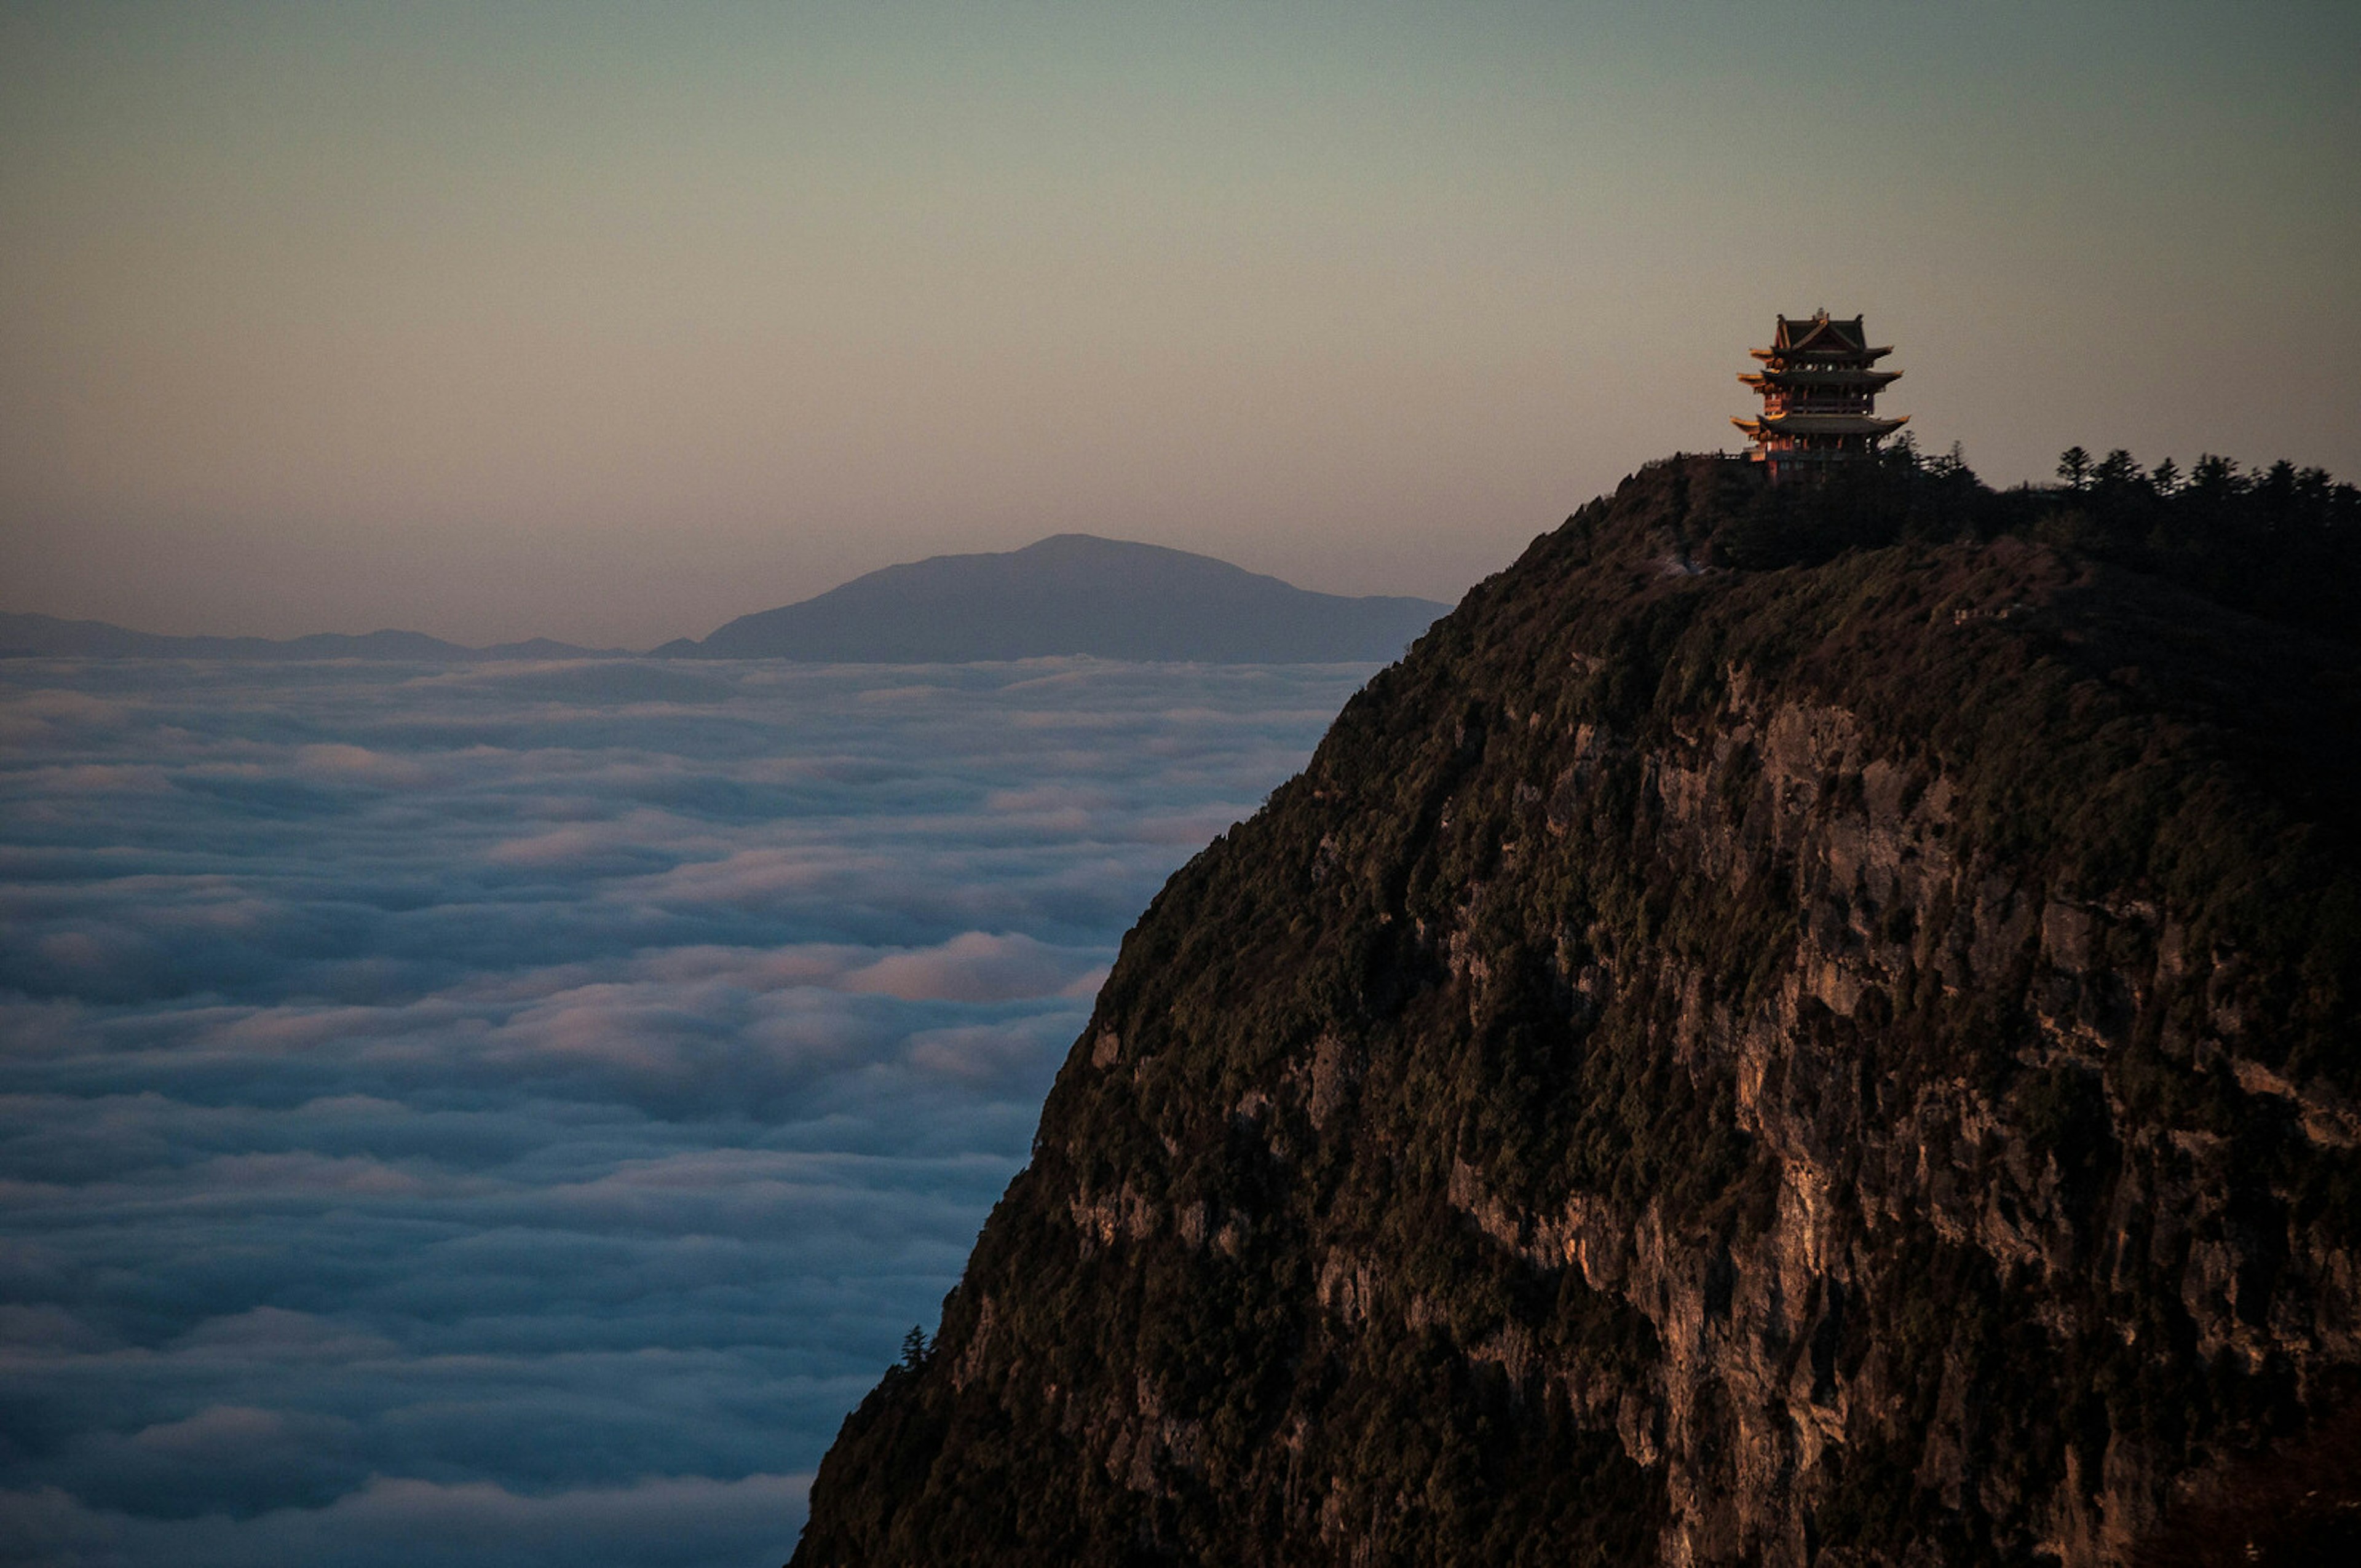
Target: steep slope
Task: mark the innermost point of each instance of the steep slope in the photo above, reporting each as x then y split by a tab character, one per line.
1072	593
1848	1062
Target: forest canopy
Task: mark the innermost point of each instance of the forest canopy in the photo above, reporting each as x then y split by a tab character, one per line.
2282	541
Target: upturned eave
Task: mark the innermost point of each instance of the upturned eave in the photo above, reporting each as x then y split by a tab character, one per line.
1830	424
1821	378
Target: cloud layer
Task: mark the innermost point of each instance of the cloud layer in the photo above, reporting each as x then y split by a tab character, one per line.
511	1112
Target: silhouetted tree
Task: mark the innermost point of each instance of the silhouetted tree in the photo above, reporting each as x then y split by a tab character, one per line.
2116	471
2277	489
2214	476
2074	467
2165	477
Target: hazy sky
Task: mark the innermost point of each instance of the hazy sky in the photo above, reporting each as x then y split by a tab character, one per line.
610	322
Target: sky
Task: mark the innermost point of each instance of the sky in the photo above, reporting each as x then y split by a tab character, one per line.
508	1114
609	322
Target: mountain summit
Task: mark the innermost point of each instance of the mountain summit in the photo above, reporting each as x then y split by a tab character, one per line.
1071	593
1809	1023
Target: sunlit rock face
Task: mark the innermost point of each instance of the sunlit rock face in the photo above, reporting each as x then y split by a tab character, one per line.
1850	1060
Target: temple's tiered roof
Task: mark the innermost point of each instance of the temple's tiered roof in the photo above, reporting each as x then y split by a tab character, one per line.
1818	335
1818	392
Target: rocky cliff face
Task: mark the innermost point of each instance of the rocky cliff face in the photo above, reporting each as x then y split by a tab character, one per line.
1849	1063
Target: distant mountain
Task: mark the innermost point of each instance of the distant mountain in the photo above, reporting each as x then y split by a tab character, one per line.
1072	593
38	636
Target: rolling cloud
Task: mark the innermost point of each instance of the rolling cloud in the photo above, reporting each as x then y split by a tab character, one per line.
508	1113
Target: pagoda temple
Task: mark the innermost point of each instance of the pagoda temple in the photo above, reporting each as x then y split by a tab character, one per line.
1819	395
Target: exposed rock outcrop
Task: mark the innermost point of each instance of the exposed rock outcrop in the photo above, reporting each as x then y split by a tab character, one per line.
1849	1063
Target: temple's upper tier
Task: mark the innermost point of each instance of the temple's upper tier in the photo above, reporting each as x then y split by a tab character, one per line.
1821	337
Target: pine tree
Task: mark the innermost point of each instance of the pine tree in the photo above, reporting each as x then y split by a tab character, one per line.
2116	471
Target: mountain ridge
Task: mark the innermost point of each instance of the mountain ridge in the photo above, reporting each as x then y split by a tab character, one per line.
1072	594
26	635
1068	594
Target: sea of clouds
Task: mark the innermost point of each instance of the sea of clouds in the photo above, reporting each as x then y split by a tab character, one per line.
507	1115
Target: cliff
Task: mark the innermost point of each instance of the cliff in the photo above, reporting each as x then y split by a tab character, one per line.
1808	1027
